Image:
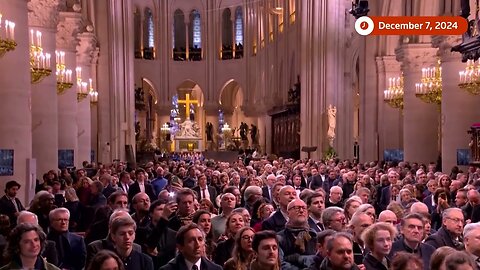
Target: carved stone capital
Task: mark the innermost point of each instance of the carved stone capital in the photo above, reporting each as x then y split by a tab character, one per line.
444	45
43	13
388	63
415	56
86	48
69	25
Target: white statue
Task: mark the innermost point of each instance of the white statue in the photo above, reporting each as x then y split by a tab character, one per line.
332	114
188	129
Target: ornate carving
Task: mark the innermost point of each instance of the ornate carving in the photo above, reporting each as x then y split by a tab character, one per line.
86	48
43	13
445	45
68	27
415	56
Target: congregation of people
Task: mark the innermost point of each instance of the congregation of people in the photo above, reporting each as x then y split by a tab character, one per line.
191	213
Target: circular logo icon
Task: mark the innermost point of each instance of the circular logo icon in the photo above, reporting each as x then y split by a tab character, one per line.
364	26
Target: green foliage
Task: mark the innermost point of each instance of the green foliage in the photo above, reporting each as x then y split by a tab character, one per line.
329	153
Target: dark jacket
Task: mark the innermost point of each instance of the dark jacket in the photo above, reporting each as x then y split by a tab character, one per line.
315	182
74	250
179	264
358	253
162	238
266	194
316	227
428	201
211	190
326	265
40	264
7	208
275	223
138	261
423	251
223	251
286	242
135	188
94	247
371	263
443	238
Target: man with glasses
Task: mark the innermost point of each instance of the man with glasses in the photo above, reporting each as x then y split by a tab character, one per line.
386	194
412	230
297	241
334	218
71	249
450	234
335	197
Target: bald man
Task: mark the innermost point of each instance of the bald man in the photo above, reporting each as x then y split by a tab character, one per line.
388	216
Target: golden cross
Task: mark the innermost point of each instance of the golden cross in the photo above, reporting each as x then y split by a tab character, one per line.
187	101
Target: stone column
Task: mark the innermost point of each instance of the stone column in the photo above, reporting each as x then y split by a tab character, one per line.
86	60
322	74
67	30
42	16
459	108
390	119
15	103
420	120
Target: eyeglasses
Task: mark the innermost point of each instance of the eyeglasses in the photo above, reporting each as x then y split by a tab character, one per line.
341	220
61	219
456	220
298	208
247	237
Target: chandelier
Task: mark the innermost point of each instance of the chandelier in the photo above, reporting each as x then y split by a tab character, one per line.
470	78
64	75
39	62
7	38
429	89
393	96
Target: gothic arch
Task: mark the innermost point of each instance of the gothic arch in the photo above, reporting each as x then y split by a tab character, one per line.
152	90
231	101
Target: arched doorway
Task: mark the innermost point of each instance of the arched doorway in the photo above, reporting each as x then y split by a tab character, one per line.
146	117
231	102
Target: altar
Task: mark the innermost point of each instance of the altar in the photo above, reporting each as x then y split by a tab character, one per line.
189	145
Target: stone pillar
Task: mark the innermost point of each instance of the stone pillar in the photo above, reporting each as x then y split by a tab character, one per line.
15	104
420	120
67	29
86	59
42	16
459	108
322	75
390	119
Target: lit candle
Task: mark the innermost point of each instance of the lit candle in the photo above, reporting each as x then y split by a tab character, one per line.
57	57
389	82
39	39
90	82
32	41
12	25
84	87
78	70
47	56
62	57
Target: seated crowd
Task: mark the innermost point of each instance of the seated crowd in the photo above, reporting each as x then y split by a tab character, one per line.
195	214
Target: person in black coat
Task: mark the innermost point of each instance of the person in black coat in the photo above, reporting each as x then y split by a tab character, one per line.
141	179
191	243
10	205
412	229
451	231
122	233
203	190
277	221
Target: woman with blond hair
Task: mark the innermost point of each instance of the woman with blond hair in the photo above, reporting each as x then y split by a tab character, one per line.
378	238
224	249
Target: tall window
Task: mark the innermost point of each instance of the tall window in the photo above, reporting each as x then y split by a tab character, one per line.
281	14
137	25
148	35
238	52
195	50
179	38
261	16
227	35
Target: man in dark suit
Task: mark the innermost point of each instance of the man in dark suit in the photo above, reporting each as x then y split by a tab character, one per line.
451	231
10	205
268	188
203	191
141	185
190	244
190	181
412	230
277	221
71	248
386	195
316	204
125	181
